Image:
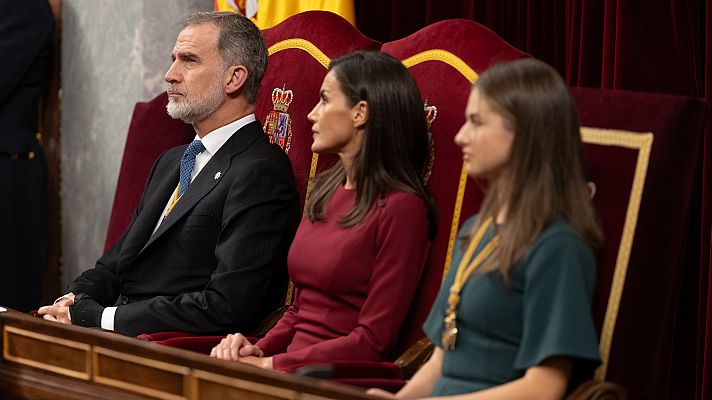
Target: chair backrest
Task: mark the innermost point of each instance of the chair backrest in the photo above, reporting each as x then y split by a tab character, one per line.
642	155
445	59
151	132
298	62
300	49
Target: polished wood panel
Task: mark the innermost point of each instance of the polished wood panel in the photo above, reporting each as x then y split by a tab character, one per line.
46	352
47	360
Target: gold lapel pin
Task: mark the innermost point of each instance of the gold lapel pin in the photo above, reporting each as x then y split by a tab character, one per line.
217	175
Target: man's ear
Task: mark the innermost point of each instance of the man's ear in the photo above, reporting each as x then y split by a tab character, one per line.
236	78
359	114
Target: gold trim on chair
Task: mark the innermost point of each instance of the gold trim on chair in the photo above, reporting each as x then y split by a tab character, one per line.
469	74
319	56
457	210
301	44
312	174
446	57
643	142
311	49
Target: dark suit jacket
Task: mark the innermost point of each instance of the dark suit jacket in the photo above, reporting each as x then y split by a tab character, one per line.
218	262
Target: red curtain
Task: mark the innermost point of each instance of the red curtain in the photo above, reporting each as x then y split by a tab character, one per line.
662	46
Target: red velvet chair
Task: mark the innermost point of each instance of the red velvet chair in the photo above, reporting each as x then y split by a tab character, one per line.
300	49
644	164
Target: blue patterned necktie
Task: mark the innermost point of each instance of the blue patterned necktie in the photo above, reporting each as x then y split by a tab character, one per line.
187	163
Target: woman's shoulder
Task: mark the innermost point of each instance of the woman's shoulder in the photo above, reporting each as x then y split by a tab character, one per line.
560	231
401	206
558	249
466	227
397	200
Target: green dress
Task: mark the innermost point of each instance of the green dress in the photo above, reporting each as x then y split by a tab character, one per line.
545	311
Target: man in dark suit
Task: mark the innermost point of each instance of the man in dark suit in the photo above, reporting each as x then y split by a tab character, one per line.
26	29
207	247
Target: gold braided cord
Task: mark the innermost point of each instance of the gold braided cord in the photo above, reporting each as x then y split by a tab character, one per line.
443	56
467	264
301	44
455	222
312	174
643	142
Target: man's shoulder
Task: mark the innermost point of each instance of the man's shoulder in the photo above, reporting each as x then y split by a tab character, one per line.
261	148
170	155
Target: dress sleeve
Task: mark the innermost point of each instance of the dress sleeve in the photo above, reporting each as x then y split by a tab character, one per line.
279	337
560	275
402	239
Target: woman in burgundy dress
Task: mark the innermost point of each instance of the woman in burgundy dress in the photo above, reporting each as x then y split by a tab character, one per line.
359	252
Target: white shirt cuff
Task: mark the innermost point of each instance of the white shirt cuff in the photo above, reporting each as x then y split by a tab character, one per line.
107	318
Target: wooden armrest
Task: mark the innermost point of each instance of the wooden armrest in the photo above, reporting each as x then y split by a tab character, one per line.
414	358
592	390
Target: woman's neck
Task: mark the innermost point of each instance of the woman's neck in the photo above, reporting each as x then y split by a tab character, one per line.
350	181
503	199
501	215
350	185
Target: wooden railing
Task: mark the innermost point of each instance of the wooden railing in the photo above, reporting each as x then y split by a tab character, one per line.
48	360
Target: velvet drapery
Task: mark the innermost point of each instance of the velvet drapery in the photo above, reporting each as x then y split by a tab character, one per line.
662	46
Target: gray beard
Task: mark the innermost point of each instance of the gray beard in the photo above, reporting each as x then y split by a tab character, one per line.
195	109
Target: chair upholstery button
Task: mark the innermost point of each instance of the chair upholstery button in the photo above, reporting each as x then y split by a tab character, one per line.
124	300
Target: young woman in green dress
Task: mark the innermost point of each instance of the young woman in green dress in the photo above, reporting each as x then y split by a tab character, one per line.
514	311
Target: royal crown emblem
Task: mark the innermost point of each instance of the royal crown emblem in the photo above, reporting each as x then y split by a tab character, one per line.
278	124
431	112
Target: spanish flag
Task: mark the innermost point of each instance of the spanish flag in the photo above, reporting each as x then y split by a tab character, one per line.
268	13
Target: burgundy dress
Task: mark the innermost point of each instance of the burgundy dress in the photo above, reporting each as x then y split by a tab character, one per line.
353	285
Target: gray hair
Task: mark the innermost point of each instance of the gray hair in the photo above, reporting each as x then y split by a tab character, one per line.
239	43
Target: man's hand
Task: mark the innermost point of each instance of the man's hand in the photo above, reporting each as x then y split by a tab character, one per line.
59	311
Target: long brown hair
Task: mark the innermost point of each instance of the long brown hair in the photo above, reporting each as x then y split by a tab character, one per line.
395	145
544	177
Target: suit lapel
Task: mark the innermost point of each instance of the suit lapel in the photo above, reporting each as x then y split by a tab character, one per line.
152	209
208	178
